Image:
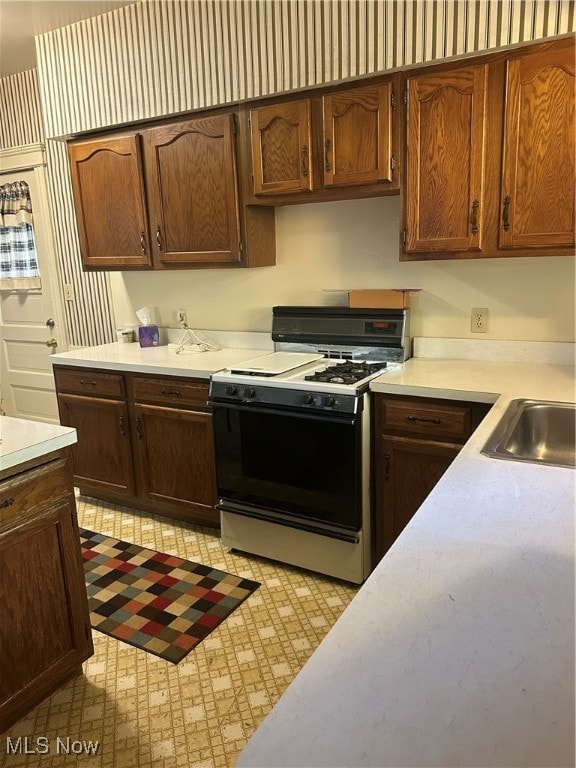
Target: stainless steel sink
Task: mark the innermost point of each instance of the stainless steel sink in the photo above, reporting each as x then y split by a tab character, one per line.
538	431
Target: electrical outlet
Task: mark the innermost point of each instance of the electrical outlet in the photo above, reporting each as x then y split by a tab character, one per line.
182	316
479	320
68	291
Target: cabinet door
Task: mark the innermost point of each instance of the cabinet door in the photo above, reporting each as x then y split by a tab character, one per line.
358	136
406	471
538	176
45	631
102	457
108	187
176	453
445	156
193	192
281	138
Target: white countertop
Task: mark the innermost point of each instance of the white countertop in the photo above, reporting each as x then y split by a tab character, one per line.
22	440
459	648
157	360
478	381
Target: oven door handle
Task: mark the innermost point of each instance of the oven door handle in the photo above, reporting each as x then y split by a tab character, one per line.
310	415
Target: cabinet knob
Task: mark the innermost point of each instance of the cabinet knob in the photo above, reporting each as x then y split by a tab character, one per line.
142	243
327	166
506	213
474	217
304	160
159	239
422	418
387	466
6	503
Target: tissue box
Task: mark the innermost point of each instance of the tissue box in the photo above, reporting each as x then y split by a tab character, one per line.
392	298
148	335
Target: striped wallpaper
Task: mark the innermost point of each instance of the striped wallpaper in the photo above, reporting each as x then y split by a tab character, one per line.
21	124
89	317
20	112
157	58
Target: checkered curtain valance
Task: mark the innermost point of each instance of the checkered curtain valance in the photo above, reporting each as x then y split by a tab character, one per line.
18	259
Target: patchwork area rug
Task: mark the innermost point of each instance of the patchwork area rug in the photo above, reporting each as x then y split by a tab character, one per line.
160	603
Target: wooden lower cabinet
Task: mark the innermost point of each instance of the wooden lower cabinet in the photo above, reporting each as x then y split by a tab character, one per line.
45	629
102	455
145	441
415	441
176	456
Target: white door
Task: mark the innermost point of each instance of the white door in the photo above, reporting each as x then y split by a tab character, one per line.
30	319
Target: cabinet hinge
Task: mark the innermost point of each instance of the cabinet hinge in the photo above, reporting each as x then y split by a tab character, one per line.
249	123
404	236
392	163
393	100
405	97
234	126
241	247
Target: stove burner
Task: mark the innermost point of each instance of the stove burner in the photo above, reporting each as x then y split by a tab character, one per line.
346	373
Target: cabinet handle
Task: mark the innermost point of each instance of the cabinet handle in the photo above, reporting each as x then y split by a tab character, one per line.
88	381
121	423
168	392
422	418
386	466
139	427
474	217
6	503
326	160
506	213
304	160
159	238
143	243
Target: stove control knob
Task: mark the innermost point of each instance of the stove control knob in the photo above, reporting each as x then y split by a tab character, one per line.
230	389
249	392
308	399
329	402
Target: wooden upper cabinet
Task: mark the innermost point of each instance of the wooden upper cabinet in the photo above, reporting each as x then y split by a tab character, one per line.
108	187
537	195
168	197
281	136
490	150
358	136
193	192
445	159
337	144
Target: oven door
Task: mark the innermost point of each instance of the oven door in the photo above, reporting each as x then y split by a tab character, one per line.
304	466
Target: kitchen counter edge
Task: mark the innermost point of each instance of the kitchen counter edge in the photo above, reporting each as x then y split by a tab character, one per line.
23	440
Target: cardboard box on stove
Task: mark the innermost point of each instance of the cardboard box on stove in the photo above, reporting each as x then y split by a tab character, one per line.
379	298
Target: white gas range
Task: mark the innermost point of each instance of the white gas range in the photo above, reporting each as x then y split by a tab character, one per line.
292	438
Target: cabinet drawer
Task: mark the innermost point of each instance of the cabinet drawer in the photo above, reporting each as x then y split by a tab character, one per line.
177	392
430	419
88	382
30	492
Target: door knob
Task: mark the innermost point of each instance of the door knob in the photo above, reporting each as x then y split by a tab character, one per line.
52	343
50	323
